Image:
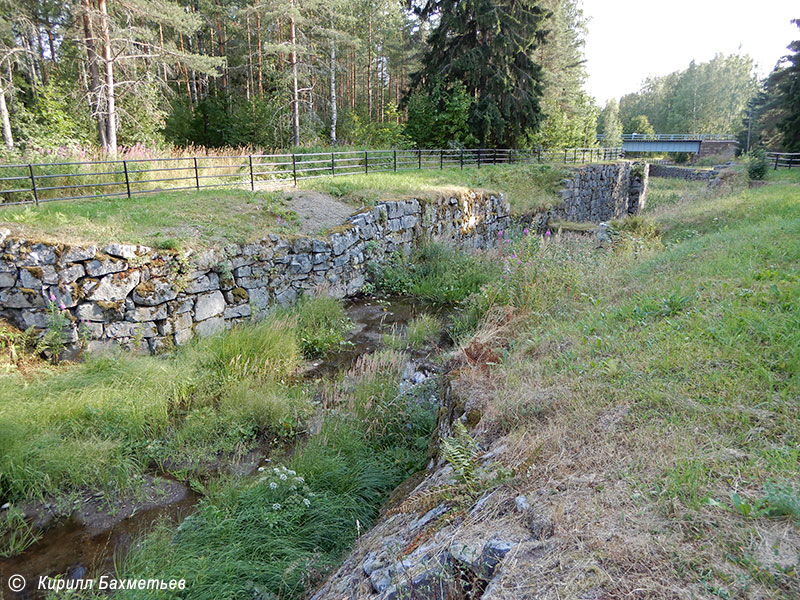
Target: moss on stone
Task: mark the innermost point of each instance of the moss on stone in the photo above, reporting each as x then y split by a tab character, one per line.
240	294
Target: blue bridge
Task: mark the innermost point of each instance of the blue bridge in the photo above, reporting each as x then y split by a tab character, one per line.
704	144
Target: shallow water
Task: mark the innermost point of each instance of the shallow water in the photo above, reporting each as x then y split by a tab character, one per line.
73	549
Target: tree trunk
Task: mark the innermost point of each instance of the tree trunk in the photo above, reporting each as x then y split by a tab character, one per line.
293	61
95	91
221	46
260	50
8	138
111	112
185	73
369	61
333	86
250	81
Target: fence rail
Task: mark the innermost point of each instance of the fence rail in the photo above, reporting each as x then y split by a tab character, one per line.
36	183
789	160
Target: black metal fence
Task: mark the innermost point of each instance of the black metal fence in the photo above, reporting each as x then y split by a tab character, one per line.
45	182
789	160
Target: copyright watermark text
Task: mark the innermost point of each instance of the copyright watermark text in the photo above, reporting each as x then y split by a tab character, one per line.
17	583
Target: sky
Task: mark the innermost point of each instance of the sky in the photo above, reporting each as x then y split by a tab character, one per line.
630	40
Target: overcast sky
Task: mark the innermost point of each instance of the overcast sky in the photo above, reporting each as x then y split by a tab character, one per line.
632	39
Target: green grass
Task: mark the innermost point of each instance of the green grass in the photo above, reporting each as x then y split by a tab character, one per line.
165	220
279	534
697	344
322	325
435	273
527	187
97	424
419	331
665	192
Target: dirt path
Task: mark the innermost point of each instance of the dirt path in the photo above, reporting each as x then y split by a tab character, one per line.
317	211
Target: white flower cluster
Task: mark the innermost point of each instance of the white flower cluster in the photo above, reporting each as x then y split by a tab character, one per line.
283	479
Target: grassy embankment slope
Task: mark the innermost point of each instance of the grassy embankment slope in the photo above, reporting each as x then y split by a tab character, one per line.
647	395
651	399
176	219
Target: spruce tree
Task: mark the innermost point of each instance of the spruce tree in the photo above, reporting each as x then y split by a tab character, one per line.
488	46
789	90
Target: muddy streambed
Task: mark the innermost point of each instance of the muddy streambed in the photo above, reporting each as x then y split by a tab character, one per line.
93	539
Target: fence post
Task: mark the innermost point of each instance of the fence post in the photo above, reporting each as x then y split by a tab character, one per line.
294	168
791	161
441	159
419	159
252	180
366	162
33	185
196	174
776	162
394	158
333	165
461	159
479	158
565	155
127	180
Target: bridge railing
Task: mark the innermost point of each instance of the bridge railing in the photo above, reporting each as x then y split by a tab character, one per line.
675	137
788	160
35	183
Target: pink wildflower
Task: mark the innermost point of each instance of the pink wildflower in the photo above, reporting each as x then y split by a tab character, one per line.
547	233
62	306
52	297
525	231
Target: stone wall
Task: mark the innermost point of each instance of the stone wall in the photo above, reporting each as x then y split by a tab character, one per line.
685	173
601	192
135	296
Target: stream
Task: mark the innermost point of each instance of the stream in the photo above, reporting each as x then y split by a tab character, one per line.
88	545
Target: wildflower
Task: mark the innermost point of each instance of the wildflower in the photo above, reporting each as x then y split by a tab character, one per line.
525	231
52	297
62	306
306	501
273	485
547	233
276	506
260	469
283	477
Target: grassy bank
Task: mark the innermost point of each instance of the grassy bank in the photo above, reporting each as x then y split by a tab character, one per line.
166	220
100	423
279	534
527	187
649	398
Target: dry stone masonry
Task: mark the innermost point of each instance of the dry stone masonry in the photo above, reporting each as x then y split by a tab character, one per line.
135	296
601	192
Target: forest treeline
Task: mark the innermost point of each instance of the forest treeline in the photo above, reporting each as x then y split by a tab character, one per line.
275	74
280	73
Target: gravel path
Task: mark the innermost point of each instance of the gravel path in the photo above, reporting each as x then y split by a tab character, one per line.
317	211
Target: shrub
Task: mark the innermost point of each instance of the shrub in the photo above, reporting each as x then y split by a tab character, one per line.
757	164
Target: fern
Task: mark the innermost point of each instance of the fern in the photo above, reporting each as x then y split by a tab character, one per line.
460	451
